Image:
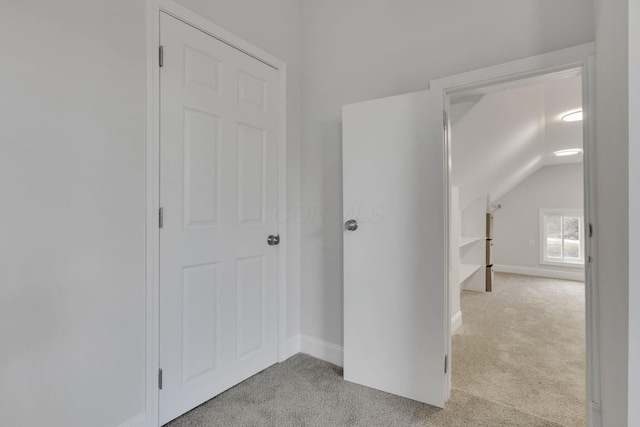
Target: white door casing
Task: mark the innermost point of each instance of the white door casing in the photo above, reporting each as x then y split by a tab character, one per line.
395	290
219	120
581	57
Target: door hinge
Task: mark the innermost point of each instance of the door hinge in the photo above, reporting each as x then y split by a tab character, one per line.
446	363
161	56
444	119
161	217
590	230
160	379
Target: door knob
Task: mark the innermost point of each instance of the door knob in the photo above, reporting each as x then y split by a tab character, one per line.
351	225
273	240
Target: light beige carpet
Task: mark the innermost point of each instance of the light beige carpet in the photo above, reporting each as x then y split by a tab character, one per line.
518	360
523	346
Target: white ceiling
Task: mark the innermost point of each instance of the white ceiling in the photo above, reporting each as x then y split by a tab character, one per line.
561	97
503	134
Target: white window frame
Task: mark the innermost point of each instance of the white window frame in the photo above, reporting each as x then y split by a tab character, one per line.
543	238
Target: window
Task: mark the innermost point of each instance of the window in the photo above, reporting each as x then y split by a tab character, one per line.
562	237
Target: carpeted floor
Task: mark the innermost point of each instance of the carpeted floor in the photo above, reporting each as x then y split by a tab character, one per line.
518	360
523	346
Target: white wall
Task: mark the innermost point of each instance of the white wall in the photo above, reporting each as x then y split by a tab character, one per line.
366	49
613	205
634	212
72	251
72	164
552	187
274	26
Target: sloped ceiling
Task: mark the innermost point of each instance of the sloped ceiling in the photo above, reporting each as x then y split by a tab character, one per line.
507	135
462	106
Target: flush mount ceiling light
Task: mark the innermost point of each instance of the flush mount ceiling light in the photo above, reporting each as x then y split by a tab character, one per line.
569	152
576	116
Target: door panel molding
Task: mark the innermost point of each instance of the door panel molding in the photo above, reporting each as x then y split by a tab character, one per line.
152	316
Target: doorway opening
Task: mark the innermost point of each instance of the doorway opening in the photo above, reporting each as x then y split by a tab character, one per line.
518	243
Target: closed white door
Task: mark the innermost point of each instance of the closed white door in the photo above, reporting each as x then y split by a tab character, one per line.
218	276
395	330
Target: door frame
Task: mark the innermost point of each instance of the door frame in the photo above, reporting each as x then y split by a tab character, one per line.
153	10
580	57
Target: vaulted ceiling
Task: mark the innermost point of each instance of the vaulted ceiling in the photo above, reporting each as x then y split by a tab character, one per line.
501	135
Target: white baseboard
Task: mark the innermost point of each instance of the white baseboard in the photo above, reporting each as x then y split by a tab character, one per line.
138	421
456	321
293	347
540	272
322	350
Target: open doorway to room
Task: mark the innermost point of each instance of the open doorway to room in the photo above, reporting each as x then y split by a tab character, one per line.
517	245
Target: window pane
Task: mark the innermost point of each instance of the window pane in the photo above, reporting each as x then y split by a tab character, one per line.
553	230
571	236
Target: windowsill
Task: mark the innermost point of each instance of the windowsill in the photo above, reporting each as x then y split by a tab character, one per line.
579	265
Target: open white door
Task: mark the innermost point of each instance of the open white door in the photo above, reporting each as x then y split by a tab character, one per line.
395	329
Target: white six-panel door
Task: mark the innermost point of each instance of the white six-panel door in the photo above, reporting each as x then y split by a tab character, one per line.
218	276
395	326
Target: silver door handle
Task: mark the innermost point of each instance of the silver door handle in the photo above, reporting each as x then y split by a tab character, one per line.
273	240
351	225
